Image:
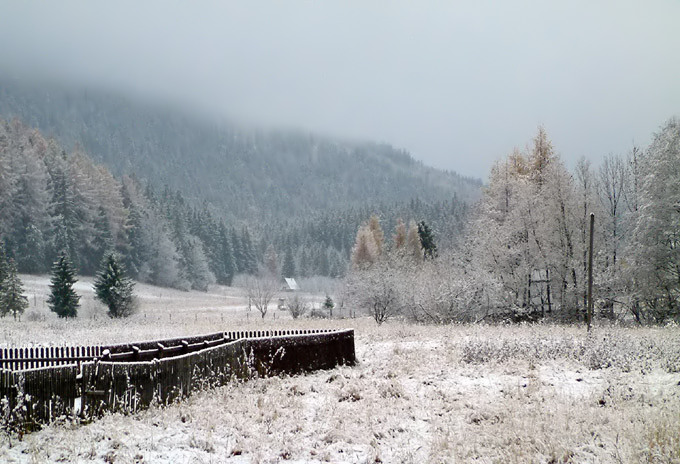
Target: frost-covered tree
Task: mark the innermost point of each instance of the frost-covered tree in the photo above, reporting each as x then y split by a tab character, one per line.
525	232
375	290
260	289
414	248
297	306
366	250
377	232
656	247
113	288
63	299
399	238
12	298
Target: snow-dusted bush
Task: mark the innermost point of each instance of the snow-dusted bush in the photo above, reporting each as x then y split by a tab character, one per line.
297	306
377	290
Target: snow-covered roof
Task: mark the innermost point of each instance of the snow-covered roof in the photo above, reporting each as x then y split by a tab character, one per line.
290	282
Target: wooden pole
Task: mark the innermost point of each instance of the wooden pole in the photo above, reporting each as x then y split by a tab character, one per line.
589	312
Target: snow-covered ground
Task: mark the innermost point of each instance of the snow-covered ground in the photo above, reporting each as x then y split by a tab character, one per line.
419	394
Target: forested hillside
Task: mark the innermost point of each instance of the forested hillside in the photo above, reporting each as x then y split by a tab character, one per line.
247	175
188	203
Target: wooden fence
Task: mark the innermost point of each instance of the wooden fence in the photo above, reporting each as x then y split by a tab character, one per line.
18	359
128	377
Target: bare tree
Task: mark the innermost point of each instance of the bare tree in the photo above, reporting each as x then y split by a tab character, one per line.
261	290
612	185
298	307
376	290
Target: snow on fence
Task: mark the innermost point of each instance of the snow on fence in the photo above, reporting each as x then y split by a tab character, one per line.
128	377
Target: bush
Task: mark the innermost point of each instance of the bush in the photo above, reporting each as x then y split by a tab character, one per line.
298	307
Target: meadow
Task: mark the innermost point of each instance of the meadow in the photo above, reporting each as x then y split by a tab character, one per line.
419	393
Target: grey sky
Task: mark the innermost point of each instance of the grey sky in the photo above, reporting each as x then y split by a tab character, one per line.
458	84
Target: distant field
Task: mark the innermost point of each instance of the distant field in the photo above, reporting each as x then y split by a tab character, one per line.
162	312
419	394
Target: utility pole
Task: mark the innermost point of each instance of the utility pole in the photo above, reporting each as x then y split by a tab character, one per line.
589	311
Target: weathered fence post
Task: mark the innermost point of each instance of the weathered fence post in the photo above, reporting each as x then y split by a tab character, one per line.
589	311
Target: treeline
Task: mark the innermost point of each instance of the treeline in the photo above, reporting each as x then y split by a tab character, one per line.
51	200
524	255
320	244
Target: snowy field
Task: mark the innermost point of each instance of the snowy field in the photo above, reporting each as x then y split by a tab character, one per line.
419	394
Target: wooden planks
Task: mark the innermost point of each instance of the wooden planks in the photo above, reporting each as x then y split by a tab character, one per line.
18	359
46	383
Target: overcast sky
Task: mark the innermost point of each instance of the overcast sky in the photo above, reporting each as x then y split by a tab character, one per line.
456	83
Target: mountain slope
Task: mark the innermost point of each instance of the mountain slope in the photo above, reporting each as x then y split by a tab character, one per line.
248	175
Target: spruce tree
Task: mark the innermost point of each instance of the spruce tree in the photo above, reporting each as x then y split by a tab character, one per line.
102	239
248	253
4	268
288	268
113	288
329	305
63	300
3	264
427	240
12	299
227	256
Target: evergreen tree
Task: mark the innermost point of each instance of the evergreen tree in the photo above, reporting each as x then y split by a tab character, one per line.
329	305
67	223
227	259
271	261
63	300
134	240
12	299
427	240
288	268
102	240
4	271
248	253
113	288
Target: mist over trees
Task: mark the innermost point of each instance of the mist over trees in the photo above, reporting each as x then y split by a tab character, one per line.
53	201
187	202
249	175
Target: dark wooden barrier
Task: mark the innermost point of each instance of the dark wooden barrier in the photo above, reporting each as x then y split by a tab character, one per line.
128	377
17	359
36	396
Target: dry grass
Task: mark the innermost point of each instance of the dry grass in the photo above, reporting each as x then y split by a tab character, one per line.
419	394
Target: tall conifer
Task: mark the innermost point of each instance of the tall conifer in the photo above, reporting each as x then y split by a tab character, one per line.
113	288
12	298
63	299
